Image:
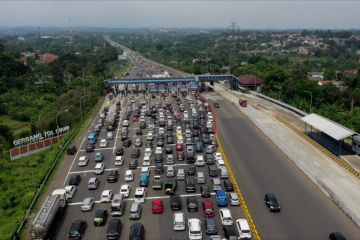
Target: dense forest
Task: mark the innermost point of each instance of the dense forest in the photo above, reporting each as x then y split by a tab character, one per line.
273	56
33	91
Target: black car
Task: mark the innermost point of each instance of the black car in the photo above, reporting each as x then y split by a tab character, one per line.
271	202
142	125
135	153
90	147
229	187
159	168
139	131
71	150
137	232
77	229
119	151
191	170
336	236
75	180
127	143
210	226
114	229
190	184
213	171
113	176
100	217
175	202
209	159
192	205
205	191
149	144
168	150
160	142
124	136
159	158
133	163
230	232
170	140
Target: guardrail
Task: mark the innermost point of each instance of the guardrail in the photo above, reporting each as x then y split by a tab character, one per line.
23	222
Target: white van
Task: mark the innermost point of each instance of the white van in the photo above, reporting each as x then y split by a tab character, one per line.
179	221
224	174
117	205
110	135
200	177
243	228
225	217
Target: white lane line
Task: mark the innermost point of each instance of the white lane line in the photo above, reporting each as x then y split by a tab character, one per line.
119	123
86	171
77	152
174	165
97	149
147	198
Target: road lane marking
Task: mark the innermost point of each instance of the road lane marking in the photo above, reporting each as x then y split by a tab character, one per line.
97	149
243	204
86	171
119	124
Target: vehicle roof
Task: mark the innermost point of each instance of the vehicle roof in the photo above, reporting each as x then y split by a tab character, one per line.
243	224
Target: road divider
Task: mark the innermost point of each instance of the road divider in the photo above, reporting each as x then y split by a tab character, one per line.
243	204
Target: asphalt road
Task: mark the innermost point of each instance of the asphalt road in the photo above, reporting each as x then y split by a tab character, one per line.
156	226
259	167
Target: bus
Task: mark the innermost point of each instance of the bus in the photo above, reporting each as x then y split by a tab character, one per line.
221	198
92	137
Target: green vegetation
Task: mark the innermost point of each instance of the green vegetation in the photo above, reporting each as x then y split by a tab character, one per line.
32	94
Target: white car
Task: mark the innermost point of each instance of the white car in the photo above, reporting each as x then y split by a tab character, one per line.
103	143
125	123
194	225
145	170
125	190
140	194
99	168
83	161
200	162
225	217
148	152
70	191
106	196
161	131
129	176
243	228
150	136
119	160
234	199
180	140
158	150
146	161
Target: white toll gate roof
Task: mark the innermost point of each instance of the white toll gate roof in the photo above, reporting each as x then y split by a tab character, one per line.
332	129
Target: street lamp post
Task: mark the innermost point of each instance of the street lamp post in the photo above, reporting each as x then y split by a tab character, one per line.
57	123
81	107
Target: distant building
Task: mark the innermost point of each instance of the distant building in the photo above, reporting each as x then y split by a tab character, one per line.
47	57
123	57
251	82
324	82
316	76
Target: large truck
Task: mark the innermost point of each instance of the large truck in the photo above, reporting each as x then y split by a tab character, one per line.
111	118
52	210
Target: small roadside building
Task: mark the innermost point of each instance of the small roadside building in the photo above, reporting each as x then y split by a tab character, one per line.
250	82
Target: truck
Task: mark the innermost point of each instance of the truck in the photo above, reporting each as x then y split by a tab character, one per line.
111	118
50	212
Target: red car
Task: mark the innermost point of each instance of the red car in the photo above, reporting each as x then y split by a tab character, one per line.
178	116
180	156
179	147
135	119
208	209
157	206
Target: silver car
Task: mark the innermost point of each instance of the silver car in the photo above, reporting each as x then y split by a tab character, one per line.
234	199
87	204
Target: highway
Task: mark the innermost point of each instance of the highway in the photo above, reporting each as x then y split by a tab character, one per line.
260	167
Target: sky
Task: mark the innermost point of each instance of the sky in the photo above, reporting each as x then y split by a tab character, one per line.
252	14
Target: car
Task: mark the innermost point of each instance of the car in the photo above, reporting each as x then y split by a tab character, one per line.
127	143
271	202
168	150
225	217
229	187
180	155
205	191
215	237
129	176
210	149
114	229
93	183
113	176
106	196
139	132
170	140
133	163
125	123
192	205
83	161
70	191
119	161
230	232
87	204
135	211
103	143
170	172
142	125
243	228
100	218
210	226
135	153
150	136
175	202
77	229
208	209
180	175
138	142
140	194
125	190
137	232
71	150
119	151
99	157
213	171
190	170
157	206
190	184
75	180
234	199
99	168
89	147
170	159
159	168
194	226
336	236
157	182
179	146
209	159
216	184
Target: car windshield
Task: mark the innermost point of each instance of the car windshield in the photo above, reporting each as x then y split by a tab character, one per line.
195	232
